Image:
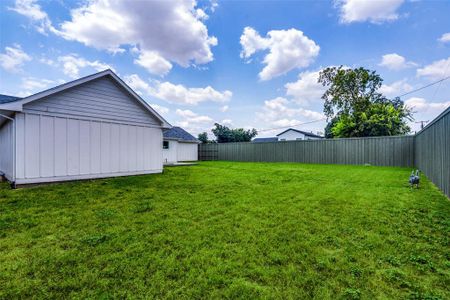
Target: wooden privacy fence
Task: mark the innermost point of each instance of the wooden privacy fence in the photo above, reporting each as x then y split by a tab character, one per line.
208	151
432	151
379	151
428	150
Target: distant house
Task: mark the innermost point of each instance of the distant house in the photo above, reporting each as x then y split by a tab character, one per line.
290	134
179	145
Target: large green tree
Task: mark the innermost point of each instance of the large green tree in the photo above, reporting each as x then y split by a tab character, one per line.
203	137
355	107
226	135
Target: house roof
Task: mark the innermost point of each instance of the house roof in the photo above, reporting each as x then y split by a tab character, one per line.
17	104
179	134
265	140
8	99
303	132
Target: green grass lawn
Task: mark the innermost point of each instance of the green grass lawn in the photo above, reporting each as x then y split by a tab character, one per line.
229	230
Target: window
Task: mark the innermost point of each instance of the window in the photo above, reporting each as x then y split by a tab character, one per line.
165	144
299	139
283	140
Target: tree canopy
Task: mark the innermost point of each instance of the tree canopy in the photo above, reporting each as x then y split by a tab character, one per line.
355	107
226	135
203	137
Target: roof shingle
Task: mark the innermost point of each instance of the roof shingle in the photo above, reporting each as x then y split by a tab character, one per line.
179	134
7	99
303	132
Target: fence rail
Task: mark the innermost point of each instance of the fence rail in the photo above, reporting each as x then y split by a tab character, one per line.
428	150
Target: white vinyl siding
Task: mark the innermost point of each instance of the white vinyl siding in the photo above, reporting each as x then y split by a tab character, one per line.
170	155
99	99
179	151
47	142
291	135
60	147
51	148
187	151
6	148
32	146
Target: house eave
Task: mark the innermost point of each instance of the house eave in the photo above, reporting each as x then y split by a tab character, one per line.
18	105
180	140
11	107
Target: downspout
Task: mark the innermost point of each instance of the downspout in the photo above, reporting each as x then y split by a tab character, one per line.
13	183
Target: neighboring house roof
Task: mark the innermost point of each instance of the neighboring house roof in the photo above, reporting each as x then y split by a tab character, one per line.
179	134
8	99
17	104
265	140
303	132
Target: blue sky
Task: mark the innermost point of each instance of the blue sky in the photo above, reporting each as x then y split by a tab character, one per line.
240	63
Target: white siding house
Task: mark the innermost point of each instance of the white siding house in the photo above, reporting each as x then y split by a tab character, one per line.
92	127
297	135
179	145
290	134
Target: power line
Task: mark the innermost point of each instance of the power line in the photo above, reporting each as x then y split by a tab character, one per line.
424	87
410	92
439	85
422	123
292	125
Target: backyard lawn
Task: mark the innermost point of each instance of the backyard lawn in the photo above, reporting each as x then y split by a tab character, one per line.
229	230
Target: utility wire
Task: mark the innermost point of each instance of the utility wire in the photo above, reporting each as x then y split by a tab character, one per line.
424	87
439	85
410	92
293	125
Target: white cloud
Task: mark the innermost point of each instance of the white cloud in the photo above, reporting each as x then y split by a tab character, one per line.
306	89
445	38
435	70
73	63
160	109
278	112
396	62
213	5
285	123
251	42
33	11
142	87
201	14
424	110
374	11
224	108
154	63
396	88
177	93
193	122
138	85
226	122
47	61
288	50
422	106
13	58
31	85
172	29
